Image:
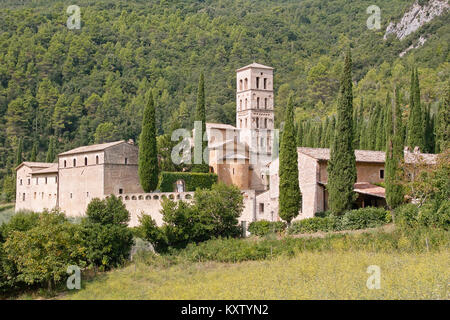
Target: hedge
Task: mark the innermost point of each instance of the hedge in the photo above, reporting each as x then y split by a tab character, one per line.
352	220
264	227
192	180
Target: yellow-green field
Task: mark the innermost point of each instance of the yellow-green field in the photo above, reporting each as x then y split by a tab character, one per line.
308	275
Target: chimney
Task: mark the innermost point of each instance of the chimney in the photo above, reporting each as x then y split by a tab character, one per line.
417	150
131	141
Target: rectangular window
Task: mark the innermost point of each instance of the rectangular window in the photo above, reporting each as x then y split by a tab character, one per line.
23	196
45	180
126	160
381	174
70	195
257	82
29	181
120	191
35	195
87	194
261	208
265	83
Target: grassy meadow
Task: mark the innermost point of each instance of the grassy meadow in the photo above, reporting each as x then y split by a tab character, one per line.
308	275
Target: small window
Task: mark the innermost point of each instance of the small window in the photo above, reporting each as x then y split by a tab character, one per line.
71	195
265	83
233	171
261	208
45	180
246	84
265	103
265	123
257	102
240	84
120	191
56	179
74	162
29	181
257	82
85	161
20	181
65	163
126	160
96	159
381	174
87	194
35	195
23	196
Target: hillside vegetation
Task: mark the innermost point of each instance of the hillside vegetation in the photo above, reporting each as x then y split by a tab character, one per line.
89	85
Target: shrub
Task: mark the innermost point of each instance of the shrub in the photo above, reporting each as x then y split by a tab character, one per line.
407	215
352	220
43	253
192	180
105	234
264	227
364	218
212	213
21	221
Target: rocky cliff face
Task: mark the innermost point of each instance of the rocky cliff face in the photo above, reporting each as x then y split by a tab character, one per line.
416	17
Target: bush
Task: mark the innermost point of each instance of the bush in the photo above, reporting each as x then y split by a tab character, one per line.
434	214
20	221
43	253
213	213
264	227
192	180
364	218
105	234
352	220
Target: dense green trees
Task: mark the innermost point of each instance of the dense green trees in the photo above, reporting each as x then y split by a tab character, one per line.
289	190
148	157
342	165
415	121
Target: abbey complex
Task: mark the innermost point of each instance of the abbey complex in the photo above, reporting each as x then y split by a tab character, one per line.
244	155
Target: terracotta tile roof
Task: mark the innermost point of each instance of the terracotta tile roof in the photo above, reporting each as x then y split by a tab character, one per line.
91	148
368	155
370	189
35	165
52	169
255	65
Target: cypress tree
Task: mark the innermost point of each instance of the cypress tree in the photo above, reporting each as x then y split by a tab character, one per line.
148	157
34	151
300	135
381	131
323	140
394	154
442	128
19	152
342	164
289	189
200	115
50	157
415	123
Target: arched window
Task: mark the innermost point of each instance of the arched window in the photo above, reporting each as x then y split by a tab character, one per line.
265	123
240	105
74	162
246	84
265	103
257	123
257	102
240	84
240	126
148	197
180	186
96	159
85	161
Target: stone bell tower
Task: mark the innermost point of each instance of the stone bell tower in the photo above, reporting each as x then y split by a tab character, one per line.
255	107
